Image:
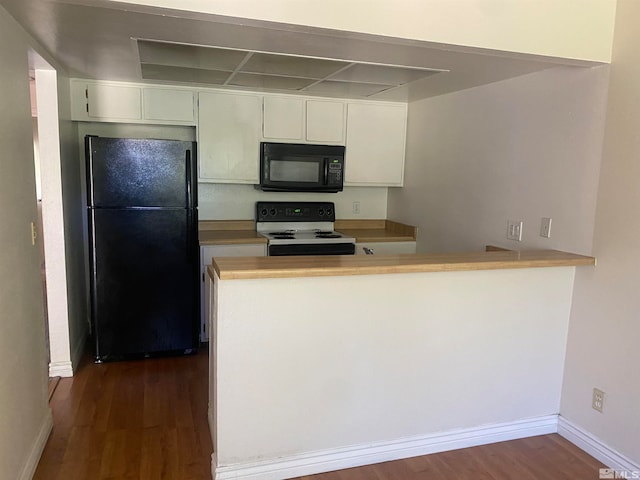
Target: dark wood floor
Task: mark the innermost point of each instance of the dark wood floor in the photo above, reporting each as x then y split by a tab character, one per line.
144	419
147	420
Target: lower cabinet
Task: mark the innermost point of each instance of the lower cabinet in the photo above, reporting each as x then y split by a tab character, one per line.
385	248
207	252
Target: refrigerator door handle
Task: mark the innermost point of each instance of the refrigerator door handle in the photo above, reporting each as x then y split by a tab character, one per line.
188	179
189	235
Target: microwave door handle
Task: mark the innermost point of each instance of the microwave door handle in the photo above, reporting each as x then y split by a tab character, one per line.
326	172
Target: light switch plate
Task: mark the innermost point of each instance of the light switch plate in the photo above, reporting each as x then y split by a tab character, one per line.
545	227
514	230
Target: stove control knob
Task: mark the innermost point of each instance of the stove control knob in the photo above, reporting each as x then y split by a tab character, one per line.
329	212
264	212
272	211
321	211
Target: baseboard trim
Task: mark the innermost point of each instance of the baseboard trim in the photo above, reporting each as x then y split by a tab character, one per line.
60	369
65	369
38	447
594	447
358	455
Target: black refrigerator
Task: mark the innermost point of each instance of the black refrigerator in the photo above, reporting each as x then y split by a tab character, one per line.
144	255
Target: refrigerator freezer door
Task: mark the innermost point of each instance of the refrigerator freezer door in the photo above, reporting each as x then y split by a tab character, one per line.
140	173
144	281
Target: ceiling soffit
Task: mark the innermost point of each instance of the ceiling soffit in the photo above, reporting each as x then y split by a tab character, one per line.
98	39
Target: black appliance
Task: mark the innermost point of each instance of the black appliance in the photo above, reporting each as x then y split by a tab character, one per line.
301	228
296	167
144	255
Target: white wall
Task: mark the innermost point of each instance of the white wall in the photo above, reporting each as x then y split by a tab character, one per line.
569	28
521	149
470	349
231	202
72	175
53	234
604	335
25	417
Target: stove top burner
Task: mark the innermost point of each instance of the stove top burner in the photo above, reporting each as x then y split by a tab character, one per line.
288	236
285	232
327	235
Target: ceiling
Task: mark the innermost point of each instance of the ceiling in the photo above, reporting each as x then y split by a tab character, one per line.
245	68
100	39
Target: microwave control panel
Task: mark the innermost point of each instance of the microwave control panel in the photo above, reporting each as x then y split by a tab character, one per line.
334	172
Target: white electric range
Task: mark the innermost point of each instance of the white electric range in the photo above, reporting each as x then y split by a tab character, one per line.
301	228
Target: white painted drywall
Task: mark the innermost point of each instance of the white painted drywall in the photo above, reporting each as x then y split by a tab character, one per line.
392	357
24	410
604	333
229	202
521	149
569	28
72	175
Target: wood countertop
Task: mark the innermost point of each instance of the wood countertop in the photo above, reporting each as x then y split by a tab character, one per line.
377	230
228	232
232	268
229	237
236	232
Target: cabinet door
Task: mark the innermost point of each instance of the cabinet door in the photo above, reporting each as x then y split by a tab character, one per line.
114	102
375	144
206	254
325	122
168	105
229	133
283	118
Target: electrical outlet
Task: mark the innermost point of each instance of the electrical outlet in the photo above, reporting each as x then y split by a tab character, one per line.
356	207
597	402
545	227
514	230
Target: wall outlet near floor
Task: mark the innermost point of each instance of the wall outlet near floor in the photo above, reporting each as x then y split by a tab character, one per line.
545	227
597	402
356	207
514	230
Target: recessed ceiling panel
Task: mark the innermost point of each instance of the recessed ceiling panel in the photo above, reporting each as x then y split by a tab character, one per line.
269	81
347	89
304	67
381	74
182	74
160	53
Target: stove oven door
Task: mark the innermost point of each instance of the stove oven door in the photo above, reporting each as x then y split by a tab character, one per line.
312	249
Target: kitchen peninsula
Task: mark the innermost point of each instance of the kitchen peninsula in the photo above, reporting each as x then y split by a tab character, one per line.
321	363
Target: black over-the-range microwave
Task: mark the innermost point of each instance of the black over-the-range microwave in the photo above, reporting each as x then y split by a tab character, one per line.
297	167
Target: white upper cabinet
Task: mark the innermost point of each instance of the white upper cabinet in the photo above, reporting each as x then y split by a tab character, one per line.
131	103
283	118
296	119
168	104
375	144
232	124
325	121
229	134
114	101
